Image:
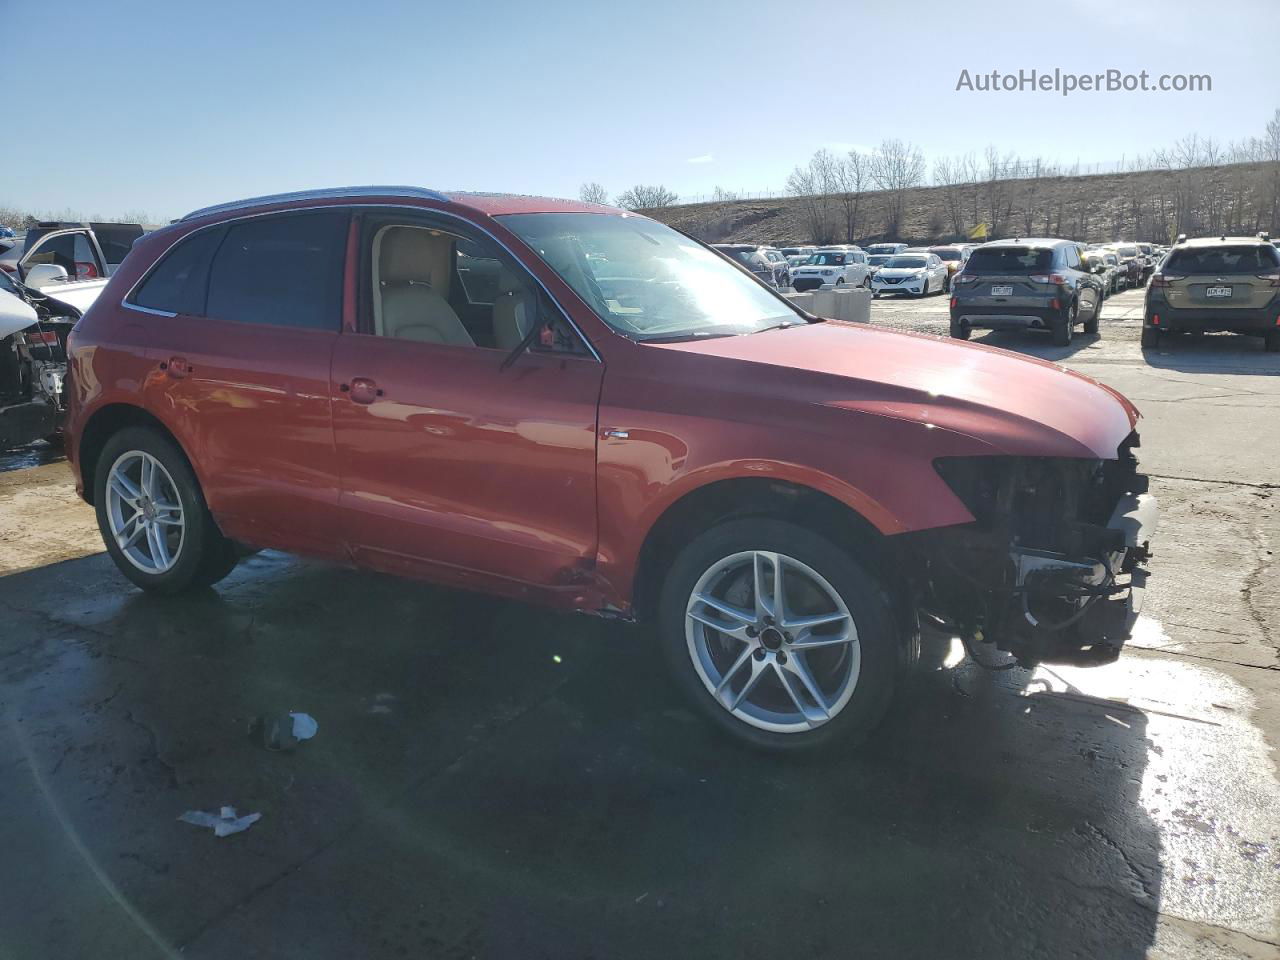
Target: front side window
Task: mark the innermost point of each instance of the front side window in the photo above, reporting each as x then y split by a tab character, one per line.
281	271
437	285
648	281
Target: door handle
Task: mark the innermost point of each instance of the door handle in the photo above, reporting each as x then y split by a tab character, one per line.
176	367
361	390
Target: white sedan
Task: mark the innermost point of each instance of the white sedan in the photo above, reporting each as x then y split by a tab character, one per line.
918	274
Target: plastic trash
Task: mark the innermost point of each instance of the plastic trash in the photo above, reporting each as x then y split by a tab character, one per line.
224	823
304	726
283	731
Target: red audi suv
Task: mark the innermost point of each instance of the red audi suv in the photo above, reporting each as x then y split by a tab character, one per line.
579	406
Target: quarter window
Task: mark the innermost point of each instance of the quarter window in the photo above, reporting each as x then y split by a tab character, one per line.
177	284
281	271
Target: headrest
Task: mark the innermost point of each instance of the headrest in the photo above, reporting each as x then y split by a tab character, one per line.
408	254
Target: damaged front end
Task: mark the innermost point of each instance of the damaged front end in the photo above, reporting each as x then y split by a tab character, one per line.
1052	568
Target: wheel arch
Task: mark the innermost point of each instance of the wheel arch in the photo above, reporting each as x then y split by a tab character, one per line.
104	423
740	497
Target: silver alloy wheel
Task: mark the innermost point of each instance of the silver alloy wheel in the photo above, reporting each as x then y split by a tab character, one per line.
144	512
773	642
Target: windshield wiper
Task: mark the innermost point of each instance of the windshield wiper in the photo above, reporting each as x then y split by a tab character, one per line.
779	326
695	335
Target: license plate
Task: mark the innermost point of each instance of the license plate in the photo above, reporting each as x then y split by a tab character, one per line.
1002	291
1217	291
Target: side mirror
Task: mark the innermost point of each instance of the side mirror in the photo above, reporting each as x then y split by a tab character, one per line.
45	275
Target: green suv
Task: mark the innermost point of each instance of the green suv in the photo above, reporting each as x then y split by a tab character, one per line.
1216	283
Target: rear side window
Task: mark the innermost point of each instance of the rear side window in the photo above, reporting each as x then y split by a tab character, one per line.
283	271
1009	260
1255	258
177	284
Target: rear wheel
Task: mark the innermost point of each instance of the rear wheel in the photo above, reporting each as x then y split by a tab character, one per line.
960	330
1150	338
778	637
1065	327
1272	342
153	517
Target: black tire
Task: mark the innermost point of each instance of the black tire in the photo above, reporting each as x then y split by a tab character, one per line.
205	556
866	282
1064	328
1091	325
1150	338
1271	342
960	331
865	598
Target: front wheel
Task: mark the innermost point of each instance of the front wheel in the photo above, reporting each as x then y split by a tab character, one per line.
152	515
778	636
1091	325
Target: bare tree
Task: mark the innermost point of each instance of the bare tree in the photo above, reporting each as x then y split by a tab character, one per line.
814	184
895	167
646	198
948	174
852	175
721	195
593	193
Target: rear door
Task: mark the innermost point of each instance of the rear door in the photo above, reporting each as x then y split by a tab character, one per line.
241	322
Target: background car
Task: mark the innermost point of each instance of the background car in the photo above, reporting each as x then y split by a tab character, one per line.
756	260
1217	283
889	248
832	267
916	274
1026	284
953	257
1104	271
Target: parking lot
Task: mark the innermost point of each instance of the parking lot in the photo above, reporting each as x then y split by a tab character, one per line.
490	779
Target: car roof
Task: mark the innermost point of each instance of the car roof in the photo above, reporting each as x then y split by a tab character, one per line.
1219	241
1027	242
490	204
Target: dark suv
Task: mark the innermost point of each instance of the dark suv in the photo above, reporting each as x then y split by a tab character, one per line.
1014	284
1216	283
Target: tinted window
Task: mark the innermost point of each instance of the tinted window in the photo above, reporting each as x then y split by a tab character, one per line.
116	239
827	259
947	254
177	284
1239	259
59	251
1008	260
285	271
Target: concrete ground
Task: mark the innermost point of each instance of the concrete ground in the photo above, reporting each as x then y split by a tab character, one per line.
492	780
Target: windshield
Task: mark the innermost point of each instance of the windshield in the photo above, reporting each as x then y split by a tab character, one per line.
1008	260
905	263
889	248
947	254
827	259
646	280
879	259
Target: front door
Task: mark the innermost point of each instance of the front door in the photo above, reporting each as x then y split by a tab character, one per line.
462	460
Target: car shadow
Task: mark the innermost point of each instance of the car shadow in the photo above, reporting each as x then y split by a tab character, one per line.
1213	353
1036	343
494	779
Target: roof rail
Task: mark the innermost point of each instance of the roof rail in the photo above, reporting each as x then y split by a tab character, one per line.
420	193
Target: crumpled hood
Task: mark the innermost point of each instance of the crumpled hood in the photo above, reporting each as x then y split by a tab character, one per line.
1011	403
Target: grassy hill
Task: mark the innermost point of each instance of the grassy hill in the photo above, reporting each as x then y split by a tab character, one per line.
1145	205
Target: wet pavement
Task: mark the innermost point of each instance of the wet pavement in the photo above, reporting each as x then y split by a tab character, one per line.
494	780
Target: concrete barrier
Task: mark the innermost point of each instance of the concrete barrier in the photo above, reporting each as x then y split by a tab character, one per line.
802	300
853	305
824	303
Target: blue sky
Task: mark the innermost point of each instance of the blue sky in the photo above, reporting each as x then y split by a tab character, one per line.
164	106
